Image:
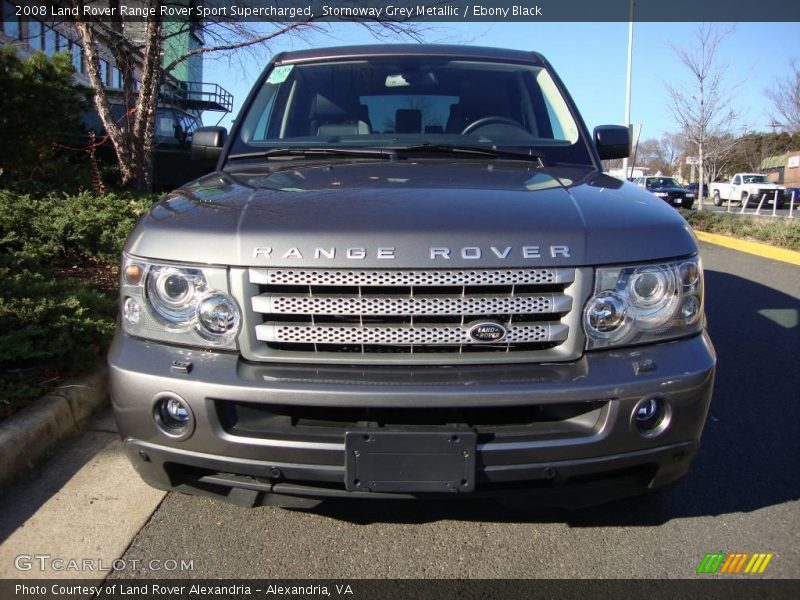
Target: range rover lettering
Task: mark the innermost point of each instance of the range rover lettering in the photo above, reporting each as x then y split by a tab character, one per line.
409	277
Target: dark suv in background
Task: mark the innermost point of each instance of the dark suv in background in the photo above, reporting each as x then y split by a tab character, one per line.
172	163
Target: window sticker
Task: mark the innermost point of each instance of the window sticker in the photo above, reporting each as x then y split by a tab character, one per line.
279	74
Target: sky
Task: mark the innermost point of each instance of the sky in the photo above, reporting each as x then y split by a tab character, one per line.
591	59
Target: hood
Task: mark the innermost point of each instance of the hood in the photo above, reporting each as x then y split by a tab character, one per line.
402	214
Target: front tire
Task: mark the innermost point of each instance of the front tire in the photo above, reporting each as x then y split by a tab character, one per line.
717	198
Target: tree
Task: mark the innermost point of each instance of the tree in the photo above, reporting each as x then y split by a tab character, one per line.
659	155
785	98
753	147
719	152
133	139
703	108
39	106
669	151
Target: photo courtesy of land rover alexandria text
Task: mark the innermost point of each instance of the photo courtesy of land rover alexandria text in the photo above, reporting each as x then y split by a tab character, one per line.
408	277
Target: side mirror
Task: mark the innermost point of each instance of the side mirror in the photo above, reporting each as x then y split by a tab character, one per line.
612	141
207	143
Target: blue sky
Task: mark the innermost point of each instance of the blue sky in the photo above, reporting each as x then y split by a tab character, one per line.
591	59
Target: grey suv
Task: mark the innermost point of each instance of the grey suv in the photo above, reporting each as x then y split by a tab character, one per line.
408	277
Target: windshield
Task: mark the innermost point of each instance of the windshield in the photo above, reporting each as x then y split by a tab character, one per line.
411	101
754	179
662	182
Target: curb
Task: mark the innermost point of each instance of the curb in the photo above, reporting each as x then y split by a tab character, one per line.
28	435
763	250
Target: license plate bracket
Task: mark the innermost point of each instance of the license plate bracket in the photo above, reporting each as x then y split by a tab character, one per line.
410	461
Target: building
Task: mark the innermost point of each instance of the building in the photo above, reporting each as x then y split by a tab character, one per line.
183	98
791	173
783	169
773	167
183	90
633	172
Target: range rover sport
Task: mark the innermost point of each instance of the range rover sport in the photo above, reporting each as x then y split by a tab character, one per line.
409	277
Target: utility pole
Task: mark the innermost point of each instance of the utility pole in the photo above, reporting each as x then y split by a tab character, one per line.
628	84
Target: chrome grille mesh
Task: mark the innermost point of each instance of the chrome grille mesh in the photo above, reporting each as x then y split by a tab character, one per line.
417	278
408	311
390	335
393	305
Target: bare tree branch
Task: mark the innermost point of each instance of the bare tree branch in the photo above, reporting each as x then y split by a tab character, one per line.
703	108
244	43
141	56
785	98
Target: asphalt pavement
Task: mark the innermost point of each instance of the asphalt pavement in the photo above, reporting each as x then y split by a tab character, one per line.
741	494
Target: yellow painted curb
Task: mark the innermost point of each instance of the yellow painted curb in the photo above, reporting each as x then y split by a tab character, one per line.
763	250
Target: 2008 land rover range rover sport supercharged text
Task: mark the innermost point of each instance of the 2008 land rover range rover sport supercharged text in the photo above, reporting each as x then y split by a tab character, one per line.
409	277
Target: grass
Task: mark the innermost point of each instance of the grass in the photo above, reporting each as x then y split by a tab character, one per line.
781	233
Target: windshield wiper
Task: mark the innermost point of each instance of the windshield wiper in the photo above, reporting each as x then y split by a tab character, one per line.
494	151
321	151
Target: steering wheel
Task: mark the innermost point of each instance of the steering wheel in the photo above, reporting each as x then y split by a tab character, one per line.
490	120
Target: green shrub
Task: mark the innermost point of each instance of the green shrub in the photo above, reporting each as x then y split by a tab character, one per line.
52	325
782	233
49	326
51	228
40	105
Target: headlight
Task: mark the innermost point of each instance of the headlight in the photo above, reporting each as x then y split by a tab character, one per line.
661	194
173	293
217	316
644	303
690	196
178	304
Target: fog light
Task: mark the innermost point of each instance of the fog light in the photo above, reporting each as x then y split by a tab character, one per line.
647	410
176	414
651	416
173	415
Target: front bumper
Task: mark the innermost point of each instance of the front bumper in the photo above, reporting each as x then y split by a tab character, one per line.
573	456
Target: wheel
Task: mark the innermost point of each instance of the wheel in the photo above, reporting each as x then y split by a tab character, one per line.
489	121
717	198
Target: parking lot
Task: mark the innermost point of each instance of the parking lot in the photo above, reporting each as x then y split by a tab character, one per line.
740	496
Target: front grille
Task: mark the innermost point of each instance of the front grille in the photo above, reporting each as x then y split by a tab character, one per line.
769	195
409	311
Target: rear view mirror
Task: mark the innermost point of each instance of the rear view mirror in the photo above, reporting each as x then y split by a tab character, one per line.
612	141
207	143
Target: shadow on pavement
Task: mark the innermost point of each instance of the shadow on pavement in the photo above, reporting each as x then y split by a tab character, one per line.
26	495
751	442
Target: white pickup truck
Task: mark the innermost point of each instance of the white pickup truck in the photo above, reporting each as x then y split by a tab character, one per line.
747	186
